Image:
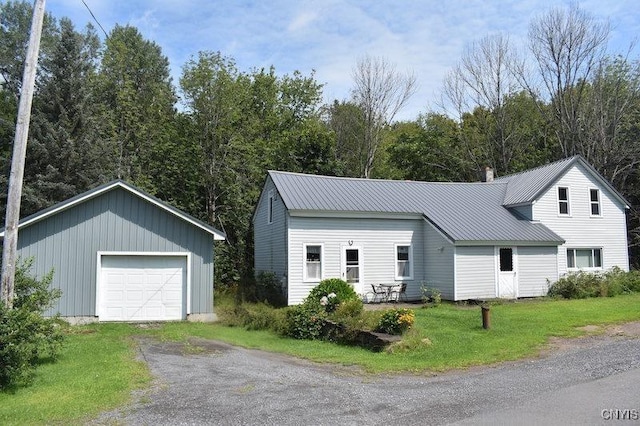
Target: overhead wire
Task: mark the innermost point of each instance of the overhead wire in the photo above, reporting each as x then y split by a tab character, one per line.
94	18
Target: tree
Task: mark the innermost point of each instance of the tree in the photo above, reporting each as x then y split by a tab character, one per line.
483	82
137	101
380	91
346	120
567	47
215	94
429	149
64	155
15	21
244	123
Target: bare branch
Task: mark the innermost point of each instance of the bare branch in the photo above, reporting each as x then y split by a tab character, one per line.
381	91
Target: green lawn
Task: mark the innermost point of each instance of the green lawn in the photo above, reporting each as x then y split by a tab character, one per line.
98	368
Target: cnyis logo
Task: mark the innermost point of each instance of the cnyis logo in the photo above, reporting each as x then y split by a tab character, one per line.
617	414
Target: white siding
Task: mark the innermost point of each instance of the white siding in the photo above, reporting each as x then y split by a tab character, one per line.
438	260
475	272
377	239
580	229
537	266
270	247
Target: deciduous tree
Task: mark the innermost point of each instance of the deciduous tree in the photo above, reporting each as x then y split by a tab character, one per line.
380	91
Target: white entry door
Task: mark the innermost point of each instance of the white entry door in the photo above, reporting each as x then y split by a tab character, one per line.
507	273
352	267
142	288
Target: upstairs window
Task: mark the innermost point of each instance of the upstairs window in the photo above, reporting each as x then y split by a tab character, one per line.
563	200
313	262
270	212
404	262
584	258
594	197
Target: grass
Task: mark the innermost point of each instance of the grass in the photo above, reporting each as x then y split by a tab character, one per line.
96	371
98	368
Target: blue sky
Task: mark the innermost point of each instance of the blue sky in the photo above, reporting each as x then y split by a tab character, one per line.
425	37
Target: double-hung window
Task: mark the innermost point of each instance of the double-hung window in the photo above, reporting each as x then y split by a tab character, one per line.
594	198
404	261
584	258
563	200
313	262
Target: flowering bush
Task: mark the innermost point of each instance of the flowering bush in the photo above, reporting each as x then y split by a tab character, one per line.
396	321
330	293
330	302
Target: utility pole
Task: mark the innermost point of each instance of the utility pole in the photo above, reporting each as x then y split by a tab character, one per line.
10	244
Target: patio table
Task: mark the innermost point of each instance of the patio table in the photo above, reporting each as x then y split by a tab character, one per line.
389	288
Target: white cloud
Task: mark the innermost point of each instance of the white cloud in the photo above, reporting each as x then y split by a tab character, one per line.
423	36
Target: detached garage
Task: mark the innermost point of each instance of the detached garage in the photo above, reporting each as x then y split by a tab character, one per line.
119	254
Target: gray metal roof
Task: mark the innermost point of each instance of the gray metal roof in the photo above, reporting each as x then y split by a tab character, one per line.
527	186
465	212
92	193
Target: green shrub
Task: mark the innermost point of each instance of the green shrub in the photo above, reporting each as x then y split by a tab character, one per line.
396	321
349	315
305	321
26	336
252	316
430	295
261	316
269	289
580	285
348	309
330	293
623	282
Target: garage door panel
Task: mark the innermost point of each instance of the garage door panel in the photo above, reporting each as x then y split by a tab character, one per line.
143	288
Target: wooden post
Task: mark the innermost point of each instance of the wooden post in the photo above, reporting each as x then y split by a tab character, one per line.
10	244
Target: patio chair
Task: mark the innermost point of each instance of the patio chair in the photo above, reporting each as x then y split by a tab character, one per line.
399	294
377	294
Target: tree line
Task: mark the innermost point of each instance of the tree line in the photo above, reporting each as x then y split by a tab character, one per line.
109	109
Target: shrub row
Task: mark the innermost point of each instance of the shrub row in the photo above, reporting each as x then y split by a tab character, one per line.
581	285
332	311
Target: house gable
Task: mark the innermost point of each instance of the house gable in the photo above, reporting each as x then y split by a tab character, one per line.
270	227
581	229
526	187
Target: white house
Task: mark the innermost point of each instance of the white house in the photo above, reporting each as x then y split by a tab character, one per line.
507	237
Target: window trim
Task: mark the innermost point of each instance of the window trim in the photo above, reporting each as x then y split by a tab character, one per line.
410	260
568	201
270	207
592	258
305	277
598	202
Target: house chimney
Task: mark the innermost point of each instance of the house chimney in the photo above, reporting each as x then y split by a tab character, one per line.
488	174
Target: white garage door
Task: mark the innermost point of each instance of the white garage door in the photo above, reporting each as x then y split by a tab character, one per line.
142	288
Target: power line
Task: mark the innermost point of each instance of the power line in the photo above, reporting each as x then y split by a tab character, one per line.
94	18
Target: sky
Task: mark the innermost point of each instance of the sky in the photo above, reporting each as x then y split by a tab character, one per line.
426	38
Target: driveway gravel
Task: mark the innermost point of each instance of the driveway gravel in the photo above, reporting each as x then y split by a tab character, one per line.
207	382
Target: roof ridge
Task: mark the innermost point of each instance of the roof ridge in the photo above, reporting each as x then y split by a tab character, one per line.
566	159
358	179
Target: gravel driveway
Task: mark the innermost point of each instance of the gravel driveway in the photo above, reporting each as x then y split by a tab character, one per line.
208	382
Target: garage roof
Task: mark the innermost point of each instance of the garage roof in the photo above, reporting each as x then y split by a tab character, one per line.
78	199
